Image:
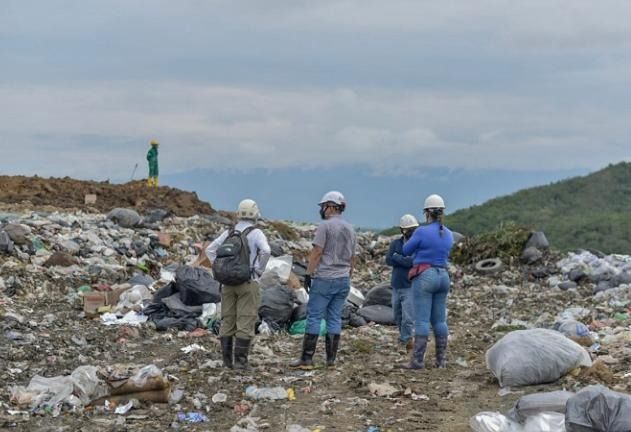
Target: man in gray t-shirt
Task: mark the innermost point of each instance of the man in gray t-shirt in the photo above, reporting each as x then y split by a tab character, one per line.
328	278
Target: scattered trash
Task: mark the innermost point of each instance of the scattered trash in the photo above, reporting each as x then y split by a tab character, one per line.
192	417
115	270
271	393
131	318
219	398
192	348
420	397
124	409
382	390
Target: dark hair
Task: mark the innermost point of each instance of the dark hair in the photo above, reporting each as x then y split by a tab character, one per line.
437	214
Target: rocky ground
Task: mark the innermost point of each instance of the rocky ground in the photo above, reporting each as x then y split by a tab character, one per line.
44	331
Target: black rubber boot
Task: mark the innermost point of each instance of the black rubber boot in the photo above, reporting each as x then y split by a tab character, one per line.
332	342
241	351
441	352
308	350
227	351
418	354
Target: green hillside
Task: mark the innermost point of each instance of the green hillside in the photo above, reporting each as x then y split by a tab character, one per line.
593	211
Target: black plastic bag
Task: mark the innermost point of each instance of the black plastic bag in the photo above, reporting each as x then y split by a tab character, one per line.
379	314
196	286
381	295
299	313
277	304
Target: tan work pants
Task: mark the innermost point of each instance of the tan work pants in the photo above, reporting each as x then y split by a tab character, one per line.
240	310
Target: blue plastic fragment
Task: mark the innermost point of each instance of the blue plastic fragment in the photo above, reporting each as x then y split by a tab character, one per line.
192	417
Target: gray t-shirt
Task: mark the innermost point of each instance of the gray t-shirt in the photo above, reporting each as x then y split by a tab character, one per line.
337	239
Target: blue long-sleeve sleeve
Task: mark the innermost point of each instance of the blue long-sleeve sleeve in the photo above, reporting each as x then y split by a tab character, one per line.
395	258
410	246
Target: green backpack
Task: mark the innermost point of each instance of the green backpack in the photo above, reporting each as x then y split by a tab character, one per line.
232	264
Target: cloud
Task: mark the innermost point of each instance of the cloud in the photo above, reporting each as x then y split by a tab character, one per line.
101	129
397	85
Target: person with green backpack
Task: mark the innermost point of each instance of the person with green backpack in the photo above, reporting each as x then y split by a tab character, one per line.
239	257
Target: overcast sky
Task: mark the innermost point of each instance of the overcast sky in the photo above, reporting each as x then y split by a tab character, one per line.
393	86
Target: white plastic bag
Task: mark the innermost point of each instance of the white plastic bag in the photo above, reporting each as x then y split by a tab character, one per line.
536	356
572	328
545	422
280	266
44	392
301	296
209	311
496	422
493	422
87	385
141	377
133	297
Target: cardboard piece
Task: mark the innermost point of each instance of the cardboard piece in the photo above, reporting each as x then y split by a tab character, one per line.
164	239
94	300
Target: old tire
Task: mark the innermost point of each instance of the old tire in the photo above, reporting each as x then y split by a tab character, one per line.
488	266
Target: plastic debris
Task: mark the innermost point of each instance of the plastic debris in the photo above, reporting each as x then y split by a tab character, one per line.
192	417
192	348
271	393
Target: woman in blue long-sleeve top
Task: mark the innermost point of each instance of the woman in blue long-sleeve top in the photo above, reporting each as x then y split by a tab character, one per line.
430	245
402	301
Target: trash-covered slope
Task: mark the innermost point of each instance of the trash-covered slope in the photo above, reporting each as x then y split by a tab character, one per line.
60	259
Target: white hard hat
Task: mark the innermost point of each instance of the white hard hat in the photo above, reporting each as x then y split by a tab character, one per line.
334	197
434	201
248	209
408	221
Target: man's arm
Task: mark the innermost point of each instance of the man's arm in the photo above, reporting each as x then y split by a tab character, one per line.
389	255
314	259
353	264
264	253
211	251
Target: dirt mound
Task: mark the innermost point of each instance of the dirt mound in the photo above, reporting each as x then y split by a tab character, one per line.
69	193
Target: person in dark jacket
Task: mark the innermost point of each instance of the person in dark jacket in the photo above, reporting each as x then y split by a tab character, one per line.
430	244
402	299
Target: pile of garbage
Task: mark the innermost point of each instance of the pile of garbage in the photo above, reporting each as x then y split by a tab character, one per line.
604	271
87	299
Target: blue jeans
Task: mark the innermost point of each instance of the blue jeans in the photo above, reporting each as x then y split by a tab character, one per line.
403	308
430	301
326	300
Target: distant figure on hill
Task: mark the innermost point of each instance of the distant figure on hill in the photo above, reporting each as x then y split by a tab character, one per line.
152	158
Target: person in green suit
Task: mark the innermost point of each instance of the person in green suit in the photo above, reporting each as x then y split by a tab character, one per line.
152	158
